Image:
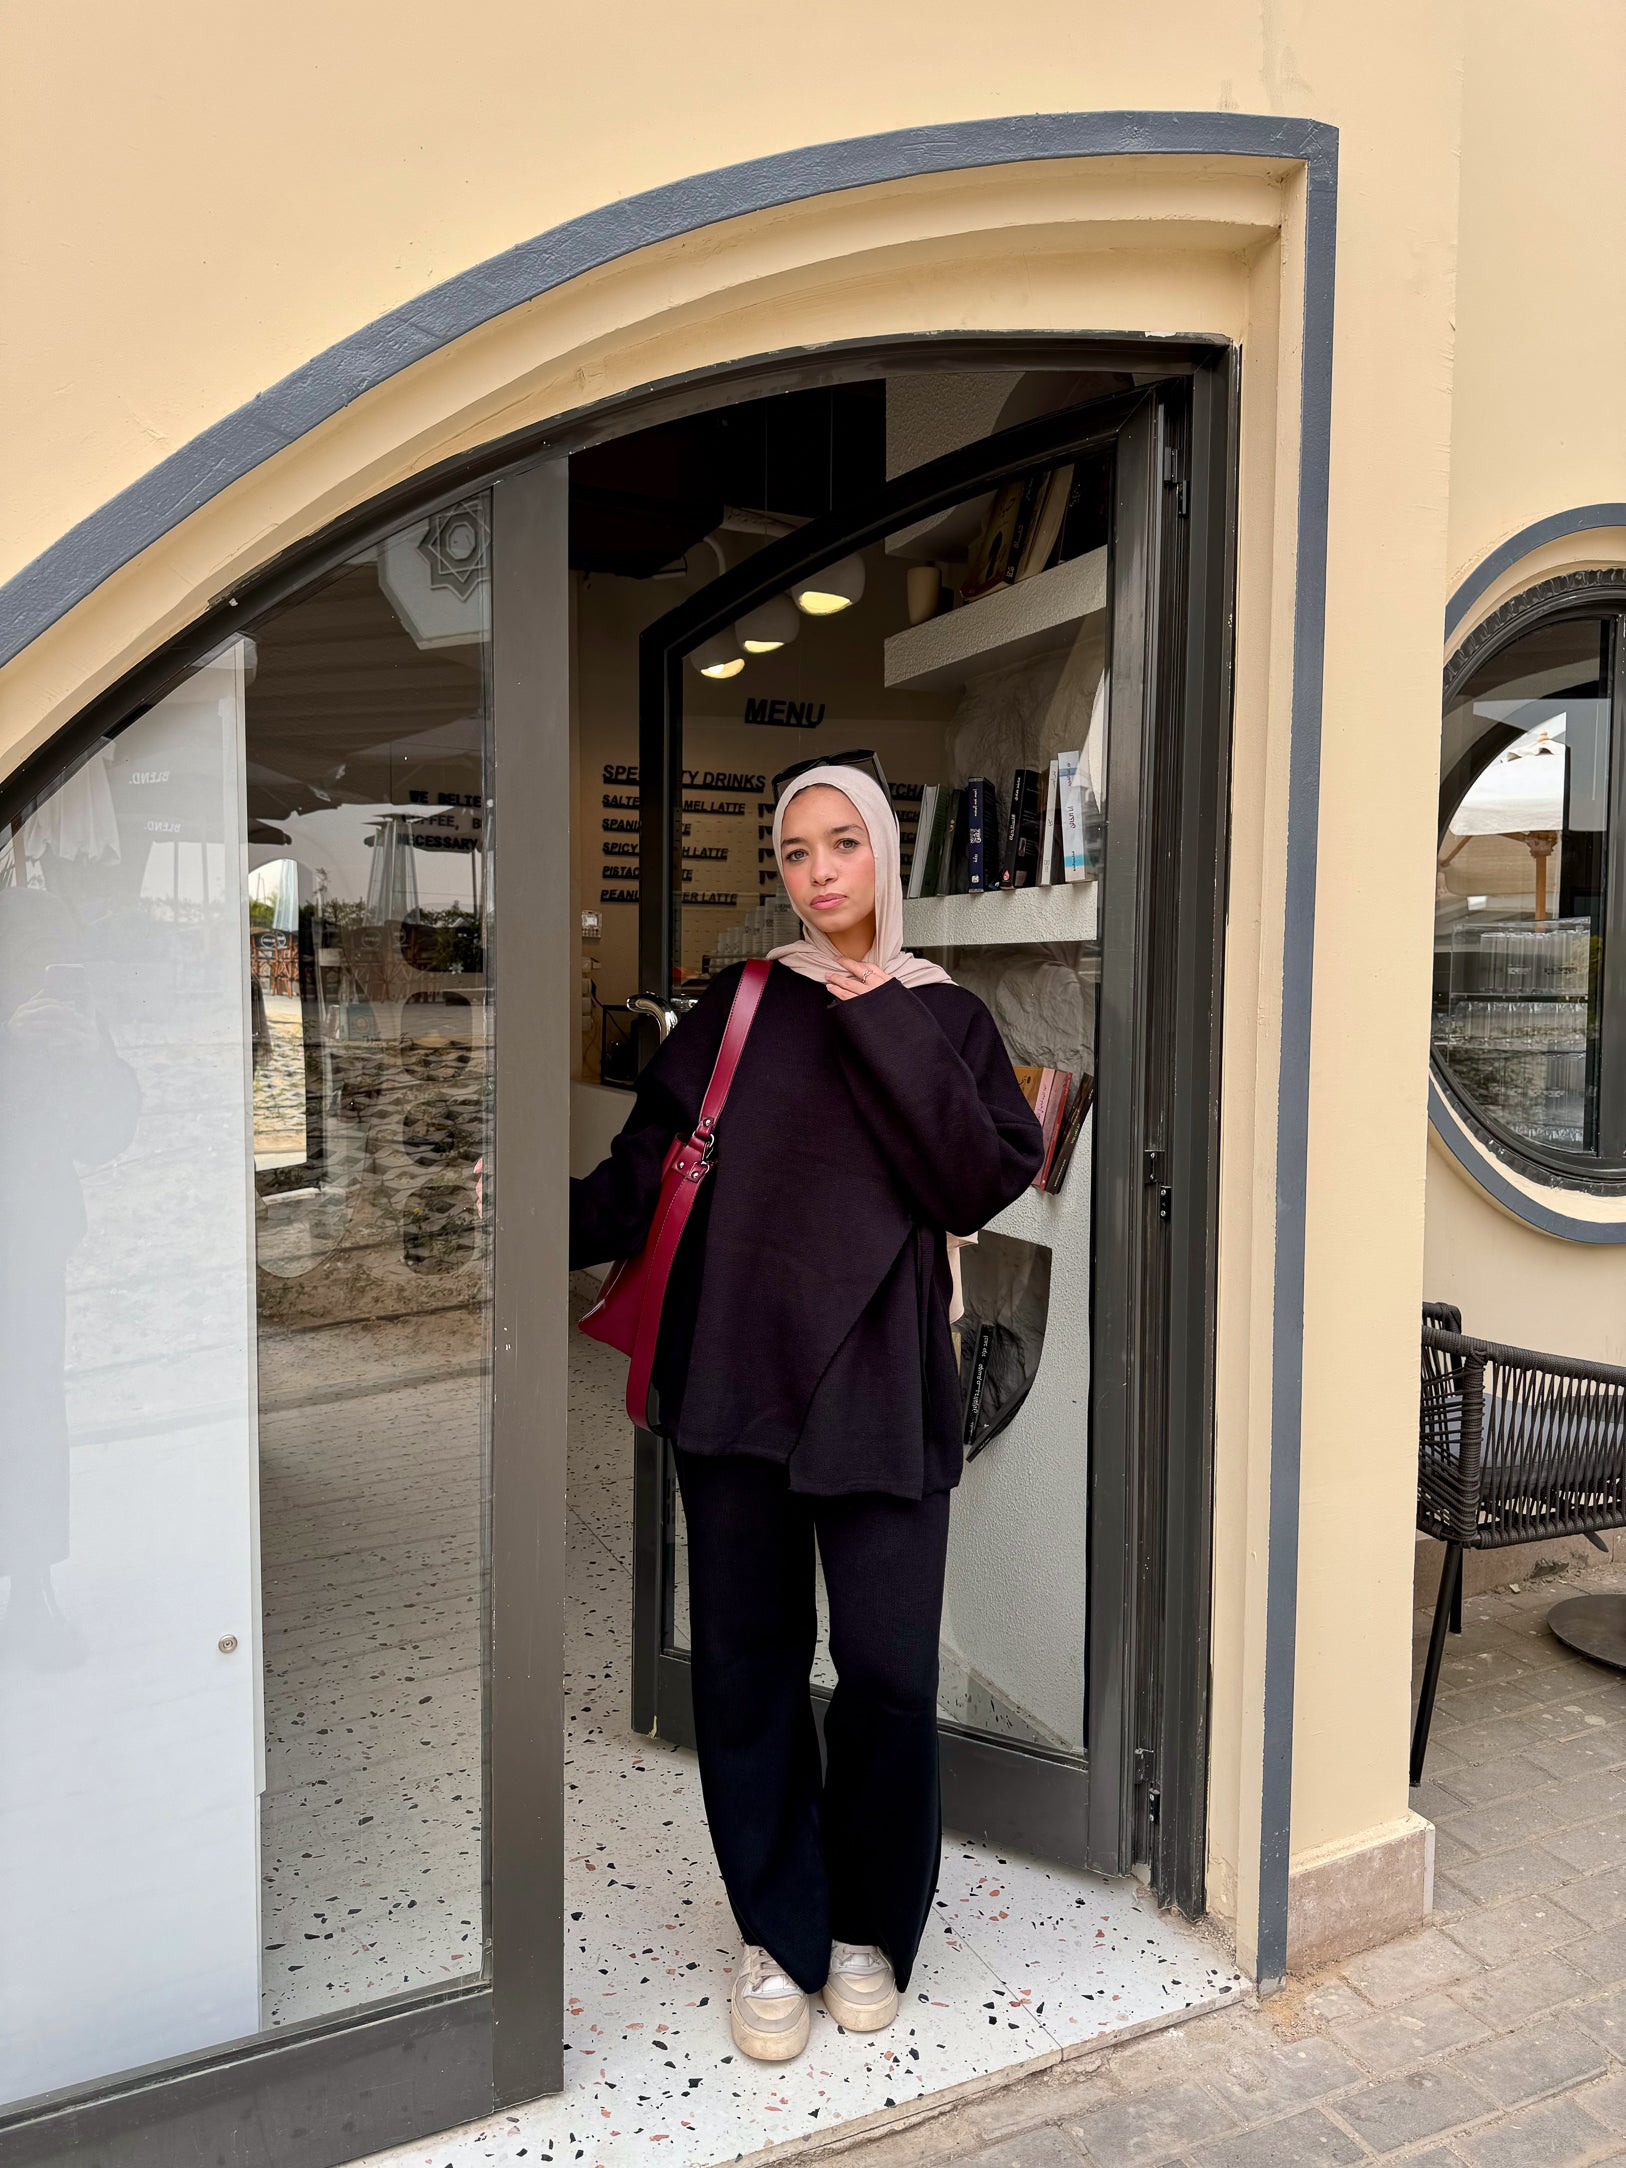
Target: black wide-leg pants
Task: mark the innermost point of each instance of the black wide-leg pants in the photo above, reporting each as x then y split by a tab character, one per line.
853	1852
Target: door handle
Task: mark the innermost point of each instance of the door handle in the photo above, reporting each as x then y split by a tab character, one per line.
652	1006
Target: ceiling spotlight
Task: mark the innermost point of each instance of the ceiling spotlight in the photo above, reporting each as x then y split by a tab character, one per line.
775	625
837	587
718	657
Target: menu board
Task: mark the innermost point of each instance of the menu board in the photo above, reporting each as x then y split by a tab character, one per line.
727	842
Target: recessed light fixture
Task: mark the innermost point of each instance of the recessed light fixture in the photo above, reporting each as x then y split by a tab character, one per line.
773	626
718	657
837	587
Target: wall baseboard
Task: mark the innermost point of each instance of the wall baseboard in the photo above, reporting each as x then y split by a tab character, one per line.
1485	1570
1351	1897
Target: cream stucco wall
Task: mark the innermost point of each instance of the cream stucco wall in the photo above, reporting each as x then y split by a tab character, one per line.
198	202
1539	295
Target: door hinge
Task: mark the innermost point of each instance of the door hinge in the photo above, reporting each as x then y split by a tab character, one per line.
1155	1169
1173	479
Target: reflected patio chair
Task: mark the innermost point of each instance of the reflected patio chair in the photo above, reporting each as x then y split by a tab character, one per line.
1513	1447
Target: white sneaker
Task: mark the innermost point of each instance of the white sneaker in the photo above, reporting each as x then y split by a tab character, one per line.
860	1994
768	2014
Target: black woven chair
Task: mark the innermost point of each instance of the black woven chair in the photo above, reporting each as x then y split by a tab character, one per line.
1513	1447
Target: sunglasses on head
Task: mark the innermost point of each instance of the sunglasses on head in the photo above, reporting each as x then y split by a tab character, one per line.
862	758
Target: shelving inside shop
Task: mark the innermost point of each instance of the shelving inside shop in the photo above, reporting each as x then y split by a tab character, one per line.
1000	629
1513	1019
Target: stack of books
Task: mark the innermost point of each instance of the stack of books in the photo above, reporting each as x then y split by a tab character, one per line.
1022	530
1049	829
1060	1112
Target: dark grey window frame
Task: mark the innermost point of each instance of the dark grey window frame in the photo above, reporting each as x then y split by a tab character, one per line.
1601	594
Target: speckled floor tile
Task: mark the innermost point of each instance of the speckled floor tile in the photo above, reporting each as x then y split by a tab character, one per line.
1018	1960
1088	1955
370	1823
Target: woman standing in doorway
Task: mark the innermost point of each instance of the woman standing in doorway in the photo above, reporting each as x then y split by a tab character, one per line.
806	1377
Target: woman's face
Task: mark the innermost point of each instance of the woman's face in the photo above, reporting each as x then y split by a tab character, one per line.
829	865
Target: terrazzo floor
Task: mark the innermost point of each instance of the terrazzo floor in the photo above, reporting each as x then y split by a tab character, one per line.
370	1550
1022	1962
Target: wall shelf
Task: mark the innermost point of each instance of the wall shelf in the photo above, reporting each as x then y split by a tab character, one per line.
1000	628
1068	911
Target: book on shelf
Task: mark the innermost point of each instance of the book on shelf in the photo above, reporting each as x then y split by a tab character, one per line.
1050	855
981	835
1045	530
951	876
974	1368
1021	859
992	552
1075	864
936	843
1072	1128
922	842
1011	522
1050	1108
907	838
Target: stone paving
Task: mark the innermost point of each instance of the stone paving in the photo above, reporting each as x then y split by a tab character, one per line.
1495	2037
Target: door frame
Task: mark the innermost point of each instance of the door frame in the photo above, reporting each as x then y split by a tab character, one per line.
314	2097
1142	1792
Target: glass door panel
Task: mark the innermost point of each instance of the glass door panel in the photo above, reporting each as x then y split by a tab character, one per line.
245	1301
962	648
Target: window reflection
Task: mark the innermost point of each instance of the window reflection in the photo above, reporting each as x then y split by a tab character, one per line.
1519	891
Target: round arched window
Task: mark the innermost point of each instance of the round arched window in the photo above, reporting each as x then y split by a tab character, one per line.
1529	1023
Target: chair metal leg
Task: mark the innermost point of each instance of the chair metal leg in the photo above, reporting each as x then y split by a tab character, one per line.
1456	1598
1446	1604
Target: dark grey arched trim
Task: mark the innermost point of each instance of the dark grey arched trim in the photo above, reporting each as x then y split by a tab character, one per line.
1506	554
275	418
72	567
1479	1164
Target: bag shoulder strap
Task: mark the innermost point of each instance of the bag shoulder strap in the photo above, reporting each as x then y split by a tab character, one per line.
687	1165
741	1016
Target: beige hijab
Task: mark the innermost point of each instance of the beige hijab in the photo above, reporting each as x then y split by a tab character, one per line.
815	955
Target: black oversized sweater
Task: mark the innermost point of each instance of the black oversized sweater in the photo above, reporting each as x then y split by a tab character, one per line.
806	1319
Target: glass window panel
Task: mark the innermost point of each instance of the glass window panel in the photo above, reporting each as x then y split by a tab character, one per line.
1520	885
245	1035
129	1689
971	648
